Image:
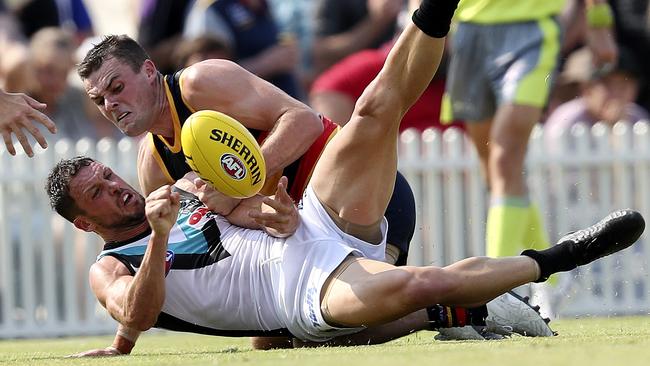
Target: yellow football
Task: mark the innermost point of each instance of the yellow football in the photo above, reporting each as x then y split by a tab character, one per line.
223	153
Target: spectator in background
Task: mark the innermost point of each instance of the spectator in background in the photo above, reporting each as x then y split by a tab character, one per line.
73	15
33	15
607	93
16	73
191	51
633	31
335	92
249	29
36	14
160	20
296	17
19	114
342	27
53	56
160	30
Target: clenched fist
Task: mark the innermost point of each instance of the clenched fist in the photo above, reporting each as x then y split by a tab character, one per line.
161	209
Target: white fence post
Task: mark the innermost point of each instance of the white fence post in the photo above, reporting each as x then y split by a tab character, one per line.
576	179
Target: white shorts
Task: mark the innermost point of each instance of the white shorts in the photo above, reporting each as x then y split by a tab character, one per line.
309	257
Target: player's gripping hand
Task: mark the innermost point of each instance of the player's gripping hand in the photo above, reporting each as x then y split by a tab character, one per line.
278	214
213	199
101	352
18	112
161	209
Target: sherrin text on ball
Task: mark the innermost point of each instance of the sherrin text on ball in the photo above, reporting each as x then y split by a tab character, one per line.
223	153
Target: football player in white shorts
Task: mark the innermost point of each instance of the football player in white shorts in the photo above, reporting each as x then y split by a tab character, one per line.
170	262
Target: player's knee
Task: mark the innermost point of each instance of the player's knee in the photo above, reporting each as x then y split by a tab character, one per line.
504	160
382	103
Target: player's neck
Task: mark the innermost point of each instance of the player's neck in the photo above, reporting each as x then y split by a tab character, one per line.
123	233
163	124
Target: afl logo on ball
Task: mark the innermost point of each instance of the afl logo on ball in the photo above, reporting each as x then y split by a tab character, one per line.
233	166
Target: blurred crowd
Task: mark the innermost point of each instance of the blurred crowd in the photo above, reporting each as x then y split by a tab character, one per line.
323	52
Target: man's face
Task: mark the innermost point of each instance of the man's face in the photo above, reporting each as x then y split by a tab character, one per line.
106	200
608	98
124	97
52	73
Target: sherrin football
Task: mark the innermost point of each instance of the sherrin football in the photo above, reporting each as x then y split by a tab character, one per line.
223	153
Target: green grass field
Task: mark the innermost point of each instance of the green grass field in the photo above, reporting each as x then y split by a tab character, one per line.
596	341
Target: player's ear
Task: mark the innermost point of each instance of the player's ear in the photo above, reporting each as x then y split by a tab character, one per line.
82	223
149	68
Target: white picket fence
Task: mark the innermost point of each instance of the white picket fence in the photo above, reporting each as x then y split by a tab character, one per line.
44	261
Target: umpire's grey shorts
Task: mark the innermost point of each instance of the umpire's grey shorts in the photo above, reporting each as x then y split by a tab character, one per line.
493	64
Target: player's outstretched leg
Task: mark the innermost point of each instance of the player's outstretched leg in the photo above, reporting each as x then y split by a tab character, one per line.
355	175
617	231
369	292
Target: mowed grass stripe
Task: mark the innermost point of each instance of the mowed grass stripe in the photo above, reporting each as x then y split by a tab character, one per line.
591	341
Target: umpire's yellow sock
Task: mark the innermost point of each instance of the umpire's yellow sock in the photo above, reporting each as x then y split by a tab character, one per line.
536	236
507	221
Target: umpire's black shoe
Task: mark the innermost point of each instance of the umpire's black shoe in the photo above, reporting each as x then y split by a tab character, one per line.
617	231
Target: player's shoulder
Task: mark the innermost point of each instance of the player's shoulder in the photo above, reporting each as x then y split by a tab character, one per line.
208	69
109	266
204	78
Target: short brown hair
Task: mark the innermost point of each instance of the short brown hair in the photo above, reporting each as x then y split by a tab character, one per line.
121	47
58	186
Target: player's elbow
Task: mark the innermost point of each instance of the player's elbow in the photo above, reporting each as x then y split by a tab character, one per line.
143	318
303	125
312	126
141	322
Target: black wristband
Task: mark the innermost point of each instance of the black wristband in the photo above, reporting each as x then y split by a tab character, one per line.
433	17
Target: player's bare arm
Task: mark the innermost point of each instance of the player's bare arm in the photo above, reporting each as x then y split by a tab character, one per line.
136	301
150	173
257	104
106	276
